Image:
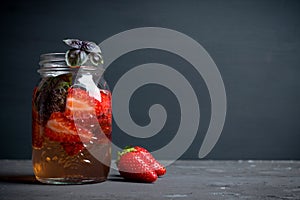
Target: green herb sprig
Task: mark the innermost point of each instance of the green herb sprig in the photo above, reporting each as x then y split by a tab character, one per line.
81	52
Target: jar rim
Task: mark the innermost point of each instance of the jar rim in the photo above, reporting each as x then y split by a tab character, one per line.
55	62
52	57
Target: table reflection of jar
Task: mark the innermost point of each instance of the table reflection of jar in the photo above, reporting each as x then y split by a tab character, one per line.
71	123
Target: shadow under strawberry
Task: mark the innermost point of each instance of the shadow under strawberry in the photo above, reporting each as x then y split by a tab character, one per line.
119	178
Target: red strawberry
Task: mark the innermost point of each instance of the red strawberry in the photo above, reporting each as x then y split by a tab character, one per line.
132	166
106	101
85	110
72	148
105	123
147	156
60	129
80	105
99	127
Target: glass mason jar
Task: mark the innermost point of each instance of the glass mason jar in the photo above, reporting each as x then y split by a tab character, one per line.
71	123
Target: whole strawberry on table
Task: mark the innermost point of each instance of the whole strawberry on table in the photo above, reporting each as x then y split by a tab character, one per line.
137	164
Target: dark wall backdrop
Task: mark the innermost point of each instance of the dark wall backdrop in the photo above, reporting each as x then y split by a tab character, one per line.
255	44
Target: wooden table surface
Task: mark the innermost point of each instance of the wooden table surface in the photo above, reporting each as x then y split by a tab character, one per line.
184	180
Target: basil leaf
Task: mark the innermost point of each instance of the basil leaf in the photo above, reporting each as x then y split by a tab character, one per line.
90	47
96	58
76	57
51	95
74	43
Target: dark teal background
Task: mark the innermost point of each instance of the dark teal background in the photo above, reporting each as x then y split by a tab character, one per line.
255	44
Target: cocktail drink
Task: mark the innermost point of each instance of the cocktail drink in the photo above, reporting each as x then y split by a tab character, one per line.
71	124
